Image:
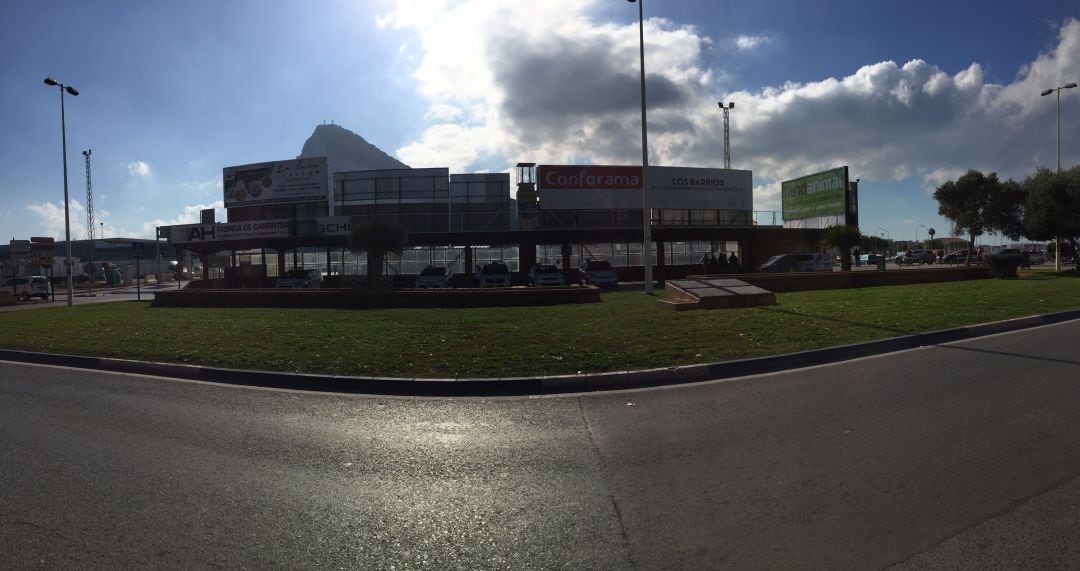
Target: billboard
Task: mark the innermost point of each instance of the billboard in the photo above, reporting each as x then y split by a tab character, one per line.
589	187
276	182
261	229
815	196
700	189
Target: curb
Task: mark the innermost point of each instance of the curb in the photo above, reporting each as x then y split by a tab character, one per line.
518	386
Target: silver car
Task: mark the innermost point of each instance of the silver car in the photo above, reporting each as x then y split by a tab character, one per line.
300	279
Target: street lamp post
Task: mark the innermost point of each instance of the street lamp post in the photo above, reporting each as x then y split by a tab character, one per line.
67	215
1057	239
646	211
917	235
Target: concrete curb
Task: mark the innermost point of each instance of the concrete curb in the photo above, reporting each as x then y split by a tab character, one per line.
510	386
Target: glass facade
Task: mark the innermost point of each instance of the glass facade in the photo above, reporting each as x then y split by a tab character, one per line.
632	218
427	200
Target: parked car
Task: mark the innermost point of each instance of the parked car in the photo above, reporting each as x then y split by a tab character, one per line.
805	262
869	259
493	274
599	273
300	279
1037	258
433	277
915	257
26	287
545	275
960	257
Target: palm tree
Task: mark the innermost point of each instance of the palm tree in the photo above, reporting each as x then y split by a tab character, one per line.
377	237
845	238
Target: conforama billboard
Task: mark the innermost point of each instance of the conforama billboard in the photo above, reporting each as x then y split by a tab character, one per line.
600	187
276	182
817	195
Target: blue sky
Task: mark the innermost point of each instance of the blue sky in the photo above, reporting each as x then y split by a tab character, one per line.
908	94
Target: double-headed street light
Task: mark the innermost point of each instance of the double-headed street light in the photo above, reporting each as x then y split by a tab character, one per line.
1057	239
646	211
67	219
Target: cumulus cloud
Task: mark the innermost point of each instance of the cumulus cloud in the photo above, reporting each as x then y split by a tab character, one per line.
745	42
139	168
51	218
548	83
190	215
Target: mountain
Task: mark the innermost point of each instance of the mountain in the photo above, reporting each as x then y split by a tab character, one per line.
346	151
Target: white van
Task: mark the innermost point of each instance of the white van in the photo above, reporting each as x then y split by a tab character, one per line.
26	287
807	262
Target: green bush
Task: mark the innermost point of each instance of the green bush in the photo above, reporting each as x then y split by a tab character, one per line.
1003	265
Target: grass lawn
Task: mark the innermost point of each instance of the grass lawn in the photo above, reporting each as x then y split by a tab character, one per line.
626	331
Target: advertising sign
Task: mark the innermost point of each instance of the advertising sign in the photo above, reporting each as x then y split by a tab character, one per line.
276	228
700	189
588	187
816	195
297	180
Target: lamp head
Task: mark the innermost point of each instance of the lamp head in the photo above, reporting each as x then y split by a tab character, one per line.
1047	92
1068	85
50	81
71	90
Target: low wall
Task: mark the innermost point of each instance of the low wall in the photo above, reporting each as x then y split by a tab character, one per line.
362	298
808	281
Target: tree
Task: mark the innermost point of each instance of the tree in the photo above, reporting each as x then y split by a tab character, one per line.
377	237
1052	206
844	238
976	203
931	233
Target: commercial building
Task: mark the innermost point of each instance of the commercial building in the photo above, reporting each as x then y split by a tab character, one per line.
286	214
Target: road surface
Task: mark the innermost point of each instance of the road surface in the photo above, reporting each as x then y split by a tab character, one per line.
956	456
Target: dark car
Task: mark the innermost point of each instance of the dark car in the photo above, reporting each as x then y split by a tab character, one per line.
433	277
960	258
915	257
599	273
494	274
542	275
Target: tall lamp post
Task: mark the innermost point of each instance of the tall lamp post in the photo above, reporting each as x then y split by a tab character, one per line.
646	211
67	216
1057	239
917	235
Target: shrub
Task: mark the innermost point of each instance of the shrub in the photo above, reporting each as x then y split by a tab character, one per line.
1003	265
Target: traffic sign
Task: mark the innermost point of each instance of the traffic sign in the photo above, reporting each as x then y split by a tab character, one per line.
136	249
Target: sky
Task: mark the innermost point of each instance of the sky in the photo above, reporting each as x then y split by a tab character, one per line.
908	95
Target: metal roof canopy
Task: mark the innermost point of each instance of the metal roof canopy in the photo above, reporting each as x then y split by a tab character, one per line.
501	238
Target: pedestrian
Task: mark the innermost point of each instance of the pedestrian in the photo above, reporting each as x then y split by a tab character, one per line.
704	261
721	264
855	254
733	263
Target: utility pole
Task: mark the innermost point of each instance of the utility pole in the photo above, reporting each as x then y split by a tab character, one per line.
89	205
726	108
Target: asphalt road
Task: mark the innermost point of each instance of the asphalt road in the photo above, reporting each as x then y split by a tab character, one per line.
957	456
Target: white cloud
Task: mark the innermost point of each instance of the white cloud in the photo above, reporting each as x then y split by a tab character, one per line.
190	215
545	82
51	218
139	168
442	112
908	221
746	43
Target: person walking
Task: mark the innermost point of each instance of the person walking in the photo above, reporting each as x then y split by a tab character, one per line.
733	264
855	253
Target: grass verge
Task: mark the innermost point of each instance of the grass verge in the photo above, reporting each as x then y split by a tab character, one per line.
624	332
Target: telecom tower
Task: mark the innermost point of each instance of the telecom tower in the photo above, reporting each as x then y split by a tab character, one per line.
727	132
89	205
